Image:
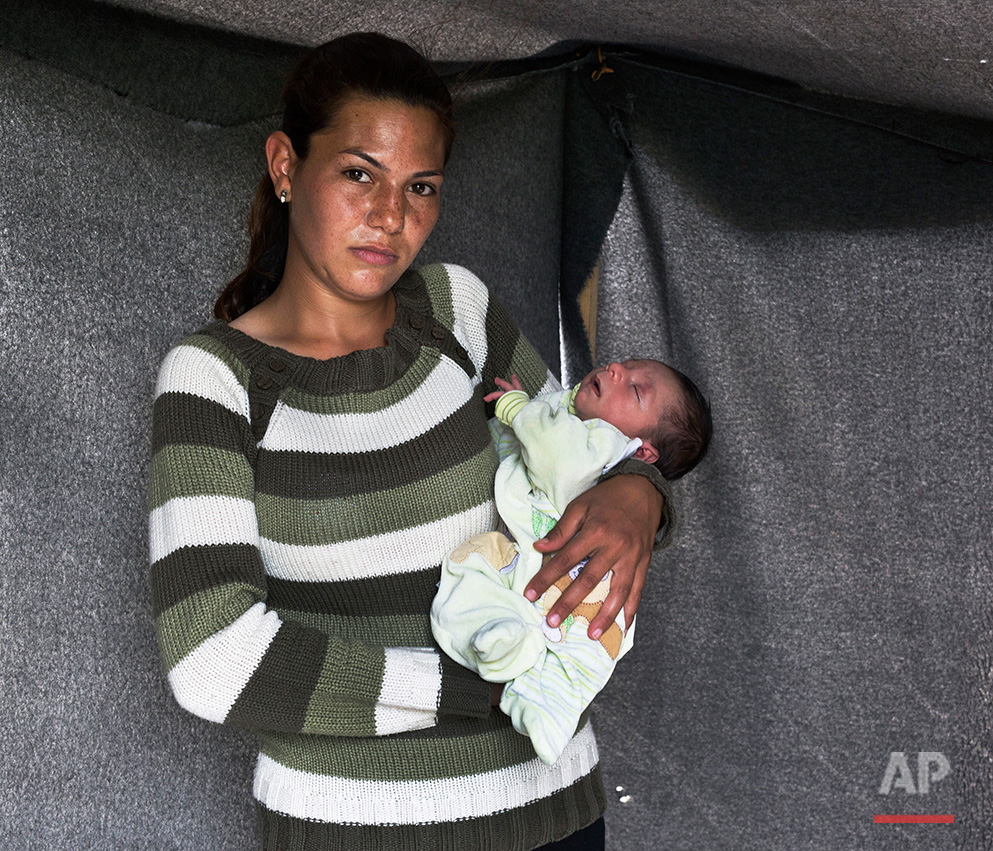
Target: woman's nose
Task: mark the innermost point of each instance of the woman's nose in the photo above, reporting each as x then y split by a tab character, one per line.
387	210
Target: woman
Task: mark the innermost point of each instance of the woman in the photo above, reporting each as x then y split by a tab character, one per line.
318	451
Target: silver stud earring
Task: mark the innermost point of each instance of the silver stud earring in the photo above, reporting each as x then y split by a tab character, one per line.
282	197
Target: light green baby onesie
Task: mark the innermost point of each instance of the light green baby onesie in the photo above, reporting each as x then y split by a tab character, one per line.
480	616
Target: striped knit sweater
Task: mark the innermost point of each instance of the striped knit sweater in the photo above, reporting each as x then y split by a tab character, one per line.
300	510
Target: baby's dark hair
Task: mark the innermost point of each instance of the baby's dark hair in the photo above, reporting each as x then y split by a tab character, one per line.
683	433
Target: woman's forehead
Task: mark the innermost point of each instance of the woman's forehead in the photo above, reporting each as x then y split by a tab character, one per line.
387	127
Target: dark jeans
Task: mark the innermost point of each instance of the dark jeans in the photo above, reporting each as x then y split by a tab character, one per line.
588	839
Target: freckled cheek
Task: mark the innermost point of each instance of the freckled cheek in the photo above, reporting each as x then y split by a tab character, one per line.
347	210
421	222
339	221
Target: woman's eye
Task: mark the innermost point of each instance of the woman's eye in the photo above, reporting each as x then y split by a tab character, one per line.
423	189
357	174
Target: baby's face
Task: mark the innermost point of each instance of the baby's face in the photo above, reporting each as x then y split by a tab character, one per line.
631	396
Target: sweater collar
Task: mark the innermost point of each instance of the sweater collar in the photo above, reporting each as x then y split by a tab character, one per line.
362	371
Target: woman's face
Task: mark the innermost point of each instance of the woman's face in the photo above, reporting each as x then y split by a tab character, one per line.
365	198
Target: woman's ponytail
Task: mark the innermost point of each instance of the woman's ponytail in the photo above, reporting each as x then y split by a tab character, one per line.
268	226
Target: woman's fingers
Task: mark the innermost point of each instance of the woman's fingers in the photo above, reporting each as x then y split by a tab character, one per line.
613	525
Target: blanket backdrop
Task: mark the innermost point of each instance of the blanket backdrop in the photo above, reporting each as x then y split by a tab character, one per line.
814	650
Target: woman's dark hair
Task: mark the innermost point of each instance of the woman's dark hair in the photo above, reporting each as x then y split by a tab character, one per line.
359	64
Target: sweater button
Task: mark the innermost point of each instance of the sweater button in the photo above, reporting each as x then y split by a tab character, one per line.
276	365
257	411
263	382
438	332
416	322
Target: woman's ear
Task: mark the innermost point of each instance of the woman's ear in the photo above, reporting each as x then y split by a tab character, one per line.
281	160
647	453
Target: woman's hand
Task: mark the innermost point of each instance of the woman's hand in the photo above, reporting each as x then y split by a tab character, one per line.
614	524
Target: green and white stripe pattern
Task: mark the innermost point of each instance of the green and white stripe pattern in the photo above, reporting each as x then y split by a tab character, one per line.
293	575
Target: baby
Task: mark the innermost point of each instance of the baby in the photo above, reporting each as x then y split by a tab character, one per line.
552	449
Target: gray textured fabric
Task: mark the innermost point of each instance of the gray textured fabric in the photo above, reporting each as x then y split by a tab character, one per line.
596	158
501	209
933	55
116	225
828	600
182	70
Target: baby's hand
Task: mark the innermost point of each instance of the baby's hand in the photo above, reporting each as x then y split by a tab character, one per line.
513	384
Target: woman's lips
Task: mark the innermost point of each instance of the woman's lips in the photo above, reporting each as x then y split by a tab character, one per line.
373	255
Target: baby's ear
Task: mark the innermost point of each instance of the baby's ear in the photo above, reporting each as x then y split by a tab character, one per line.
646	452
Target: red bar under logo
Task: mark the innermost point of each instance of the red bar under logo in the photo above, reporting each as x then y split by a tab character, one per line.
913	819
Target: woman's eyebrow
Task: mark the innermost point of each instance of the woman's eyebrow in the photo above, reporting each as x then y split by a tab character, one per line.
362	155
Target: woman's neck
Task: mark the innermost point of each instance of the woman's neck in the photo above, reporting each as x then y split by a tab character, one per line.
318	325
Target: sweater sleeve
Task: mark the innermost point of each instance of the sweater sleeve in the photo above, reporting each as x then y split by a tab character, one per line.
495	343
229	657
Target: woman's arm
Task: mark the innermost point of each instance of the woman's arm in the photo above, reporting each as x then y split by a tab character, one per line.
229	657
614	524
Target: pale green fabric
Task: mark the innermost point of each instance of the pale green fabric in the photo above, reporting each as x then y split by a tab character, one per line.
480	616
